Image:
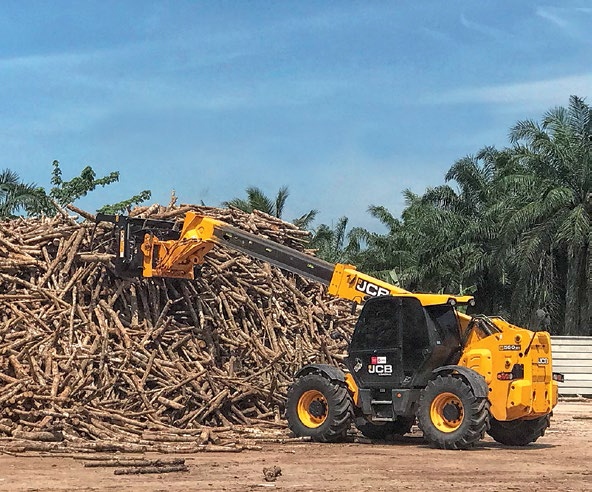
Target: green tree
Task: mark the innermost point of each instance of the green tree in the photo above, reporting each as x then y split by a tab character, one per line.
330	242
446	238
35	200
257	200
16	195
462	236
125	206
66	192
385	255
550	199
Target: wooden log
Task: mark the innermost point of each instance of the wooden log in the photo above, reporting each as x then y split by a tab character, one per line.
103	446
88	216
151	469
133	462
95	257
38	436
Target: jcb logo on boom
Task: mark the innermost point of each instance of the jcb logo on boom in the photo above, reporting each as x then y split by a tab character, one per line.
371	289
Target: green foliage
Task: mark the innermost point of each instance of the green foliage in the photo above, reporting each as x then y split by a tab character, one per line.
257	200
386	256
512	226
304	221
549	230
65	192
125	206
330	242
34	200
16	195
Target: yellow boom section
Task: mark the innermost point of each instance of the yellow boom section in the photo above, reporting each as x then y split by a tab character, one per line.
348	283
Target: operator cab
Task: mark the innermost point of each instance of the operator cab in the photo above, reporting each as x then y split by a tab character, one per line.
397	342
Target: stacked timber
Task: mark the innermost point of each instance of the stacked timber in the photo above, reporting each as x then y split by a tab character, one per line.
88	356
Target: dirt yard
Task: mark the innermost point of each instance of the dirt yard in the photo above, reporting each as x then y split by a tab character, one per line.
560	461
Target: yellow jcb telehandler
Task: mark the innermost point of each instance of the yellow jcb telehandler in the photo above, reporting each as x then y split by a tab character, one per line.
412	357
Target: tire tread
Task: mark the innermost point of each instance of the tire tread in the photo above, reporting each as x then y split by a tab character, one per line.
519	432
475	408
341	413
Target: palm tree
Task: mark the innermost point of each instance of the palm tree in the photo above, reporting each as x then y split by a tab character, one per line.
386	256
330	242
469	253
257	200
15	196
551	203
446	240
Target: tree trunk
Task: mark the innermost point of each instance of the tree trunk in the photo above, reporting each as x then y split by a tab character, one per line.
586	307
575	295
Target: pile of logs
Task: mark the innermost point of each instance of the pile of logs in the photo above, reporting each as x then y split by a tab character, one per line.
87	356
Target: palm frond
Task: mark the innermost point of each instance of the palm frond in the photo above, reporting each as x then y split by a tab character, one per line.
280	200
304	221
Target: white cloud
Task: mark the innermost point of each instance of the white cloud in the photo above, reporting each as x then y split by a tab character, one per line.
573	23
483	29
551	16
524	94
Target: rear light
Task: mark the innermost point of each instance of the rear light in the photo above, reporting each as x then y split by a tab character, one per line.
517	372
557	376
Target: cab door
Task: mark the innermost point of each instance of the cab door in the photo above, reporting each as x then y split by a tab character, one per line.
388	342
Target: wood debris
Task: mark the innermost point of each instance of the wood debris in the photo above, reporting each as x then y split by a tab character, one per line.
151	363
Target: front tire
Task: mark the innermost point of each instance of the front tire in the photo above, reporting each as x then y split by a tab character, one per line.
450	415
319	408
518	432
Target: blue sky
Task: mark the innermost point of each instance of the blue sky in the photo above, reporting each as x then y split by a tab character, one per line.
346	102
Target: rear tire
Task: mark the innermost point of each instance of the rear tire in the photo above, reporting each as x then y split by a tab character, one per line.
399	427
319	407
450	415
519	432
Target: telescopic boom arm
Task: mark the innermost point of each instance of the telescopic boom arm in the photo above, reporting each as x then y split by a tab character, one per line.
156	249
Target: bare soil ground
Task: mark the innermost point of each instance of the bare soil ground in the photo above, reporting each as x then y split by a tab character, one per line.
560	461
